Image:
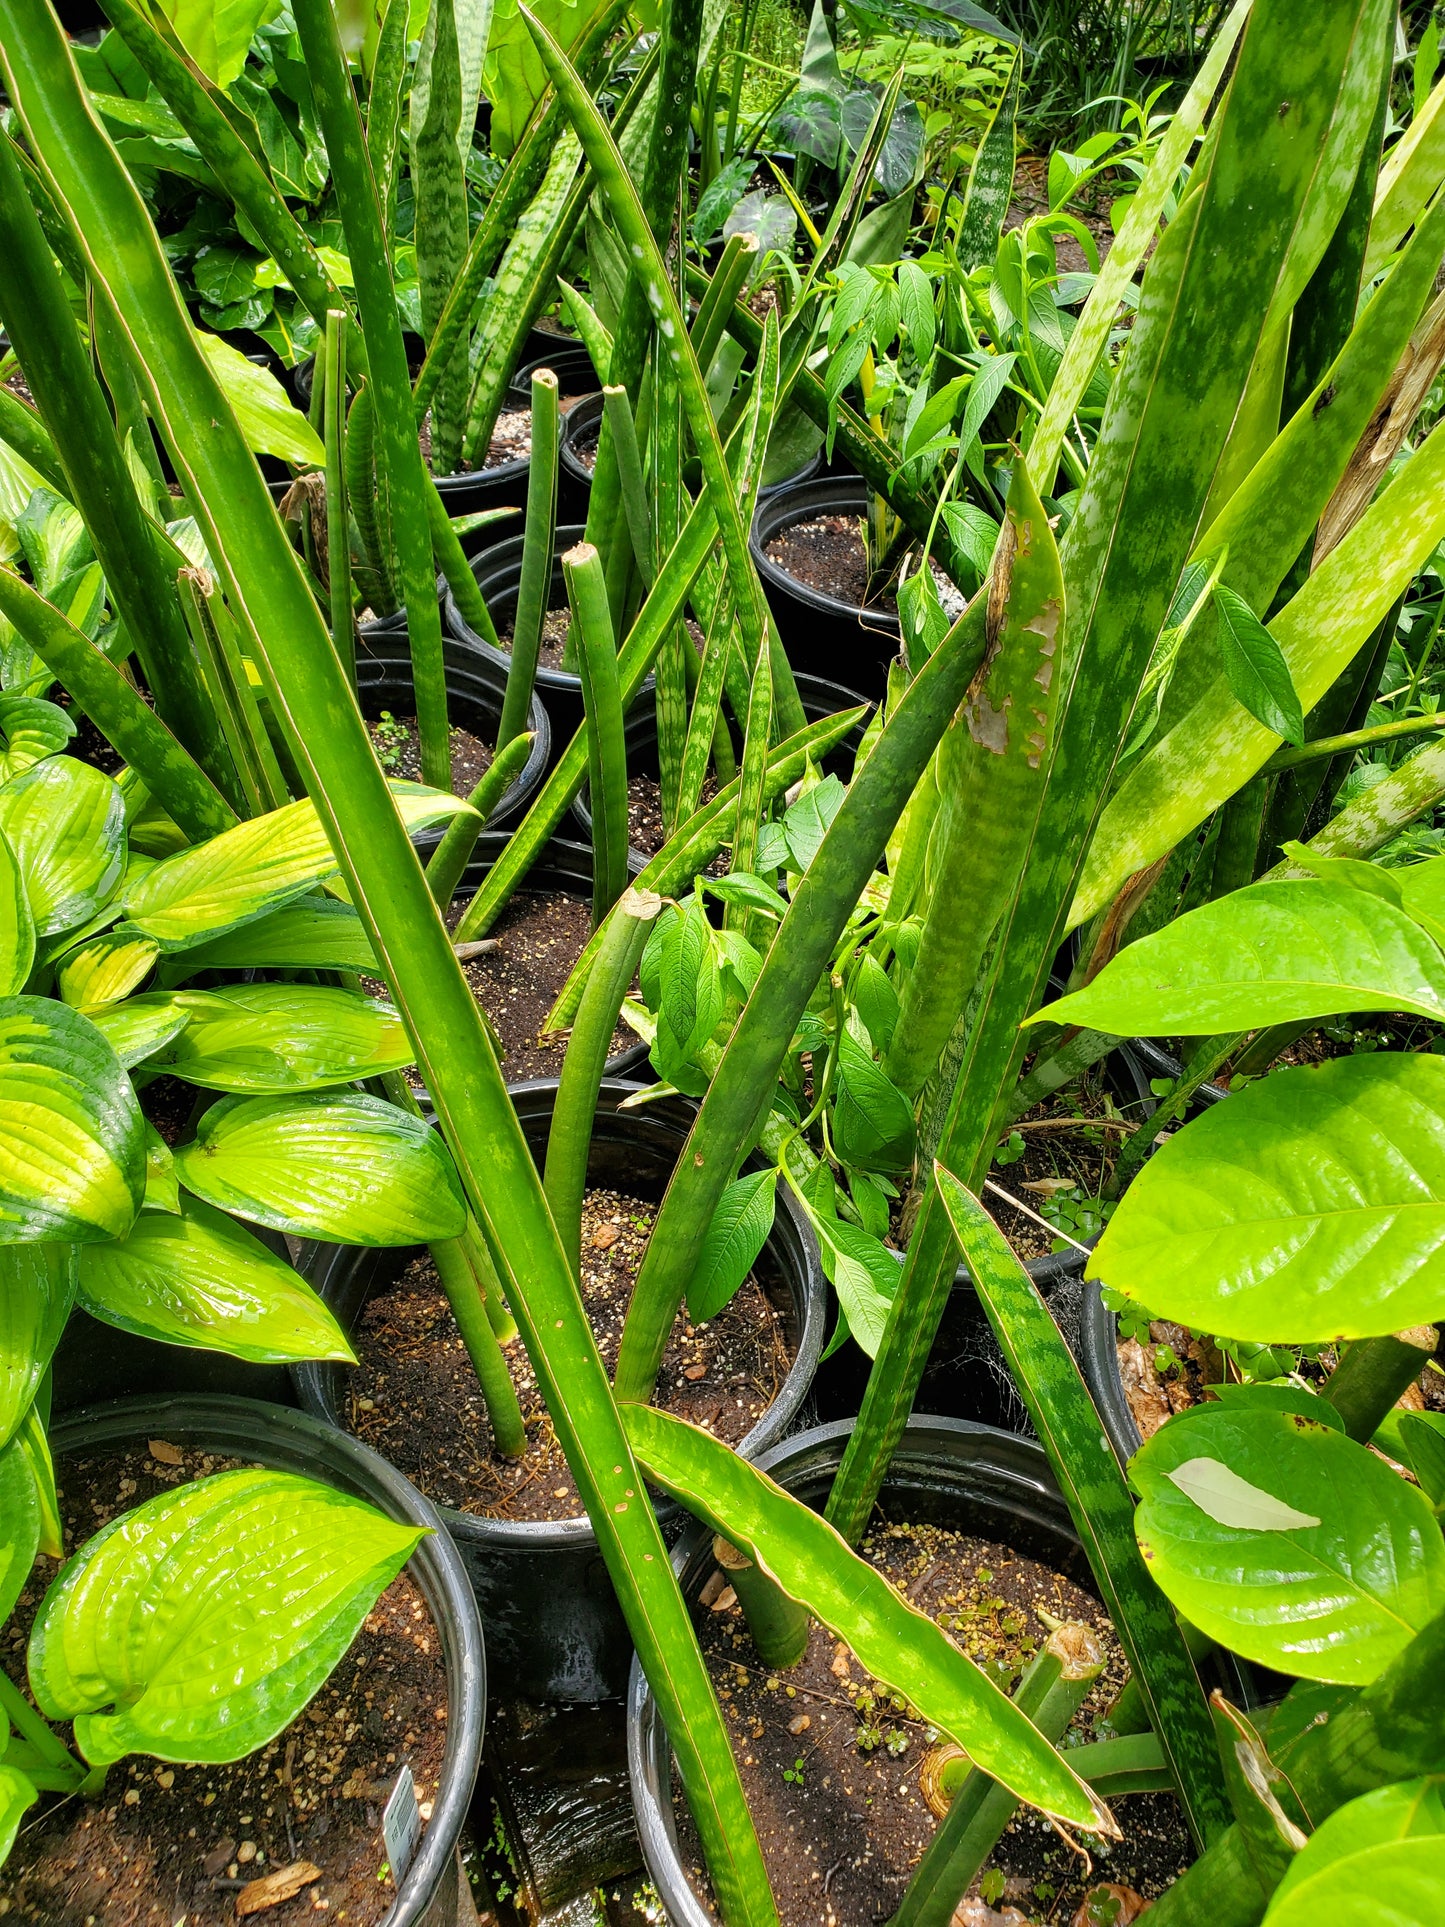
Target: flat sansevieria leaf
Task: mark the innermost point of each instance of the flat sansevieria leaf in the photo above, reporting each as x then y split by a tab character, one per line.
199	1625
312	933
30	730
246	873
1377	1859
72	1143
284	1037
263	411
344	1167
105	968
37	1289
140	1026
1309	1208
1275	953
891	1640
1326	1568
65	823
738	1232
197	1278
17	925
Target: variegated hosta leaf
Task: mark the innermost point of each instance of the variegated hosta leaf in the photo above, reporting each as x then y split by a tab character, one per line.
140	1026
345	1167
196	1278
66	824
17	1795
284	1037
72	1143
1309	1208
252	870
19	1525
37	1289
1341	1562
162	1190
105	968
151	828
17	925
207	1617
30	730
313	933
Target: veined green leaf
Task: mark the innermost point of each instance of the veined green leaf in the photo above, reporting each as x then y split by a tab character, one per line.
196	1278
1336	1594
140	1026
72	1146
1417	1440
37	1289
313	933
106	967
896	1644
19	1525
162	1190
17	1795
65	823
345	1168
17	925
1255	668
284	1037
246	873
265	416
872	1119
31	729
1274	953
208	1616
738	1232
863	1272
1309	1208
1379	1857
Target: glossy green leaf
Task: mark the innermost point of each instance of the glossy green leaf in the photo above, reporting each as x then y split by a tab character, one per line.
207	1617
284	1037
345	1168
1255	668
37	1289
313	933
65	823
30	730
19	1526
1309	1208
17	925
872	1119
1232	1501
1378	1861
264	413
863	1272
197	1278
105	968
738	1232
1337	1600
1417	1440
17	1796
252	870
895	1643
162	1190
72	1146
140	1026
1275	953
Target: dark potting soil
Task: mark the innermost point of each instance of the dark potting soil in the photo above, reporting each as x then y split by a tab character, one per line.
826	553
170	1105
164	1843
414	1395
1055	1160
555	625
584	447
831	1759
88	745
398	750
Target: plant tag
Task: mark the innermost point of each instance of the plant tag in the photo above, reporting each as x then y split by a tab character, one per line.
401	1826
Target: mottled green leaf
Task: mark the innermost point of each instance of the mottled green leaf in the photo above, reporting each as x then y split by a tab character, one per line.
65	823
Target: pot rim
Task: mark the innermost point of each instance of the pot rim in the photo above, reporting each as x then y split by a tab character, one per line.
793	502
303	1443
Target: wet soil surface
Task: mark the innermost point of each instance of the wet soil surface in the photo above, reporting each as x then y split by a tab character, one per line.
167	1843
414	1395
831	1759
398	750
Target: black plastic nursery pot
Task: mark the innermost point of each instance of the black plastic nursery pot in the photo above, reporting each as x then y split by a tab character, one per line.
498	570
434	1892
1098	1355
823	634
554	1627
476	688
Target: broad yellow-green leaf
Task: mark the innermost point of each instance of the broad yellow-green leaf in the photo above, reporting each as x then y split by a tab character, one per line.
17	926
140	1026
313	933
197	1278
30	730
344	1167
162	1190
37	1289
17	1795
265	415
19	1525
248	872
207	1617
65	823
1309	1208
1378	1861
216	33
106	967
72	1146
284	1037
1328	1572
1275	953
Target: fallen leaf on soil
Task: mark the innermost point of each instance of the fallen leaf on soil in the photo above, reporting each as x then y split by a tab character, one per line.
973	1911
272	1889
1046	1187
167	1454
725	1600
218	1858
1109	1905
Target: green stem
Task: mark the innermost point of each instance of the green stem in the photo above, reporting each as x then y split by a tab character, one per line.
778	1624
535	583
1352	740
570	1138
451	856
452	564
1072	1058
602	703
32	1728
489	1284
460	1286
338	535
1372	1374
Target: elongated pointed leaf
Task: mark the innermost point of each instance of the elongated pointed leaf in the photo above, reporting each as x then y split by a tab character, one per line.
196	1278
345	1168
284	1037
313	933
1275	953
37	1289
65	823
17	925
208	1616
1255	668
738	1232
1334	1598
898	1645
252	870
1309	1208
72	1146
872	1119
